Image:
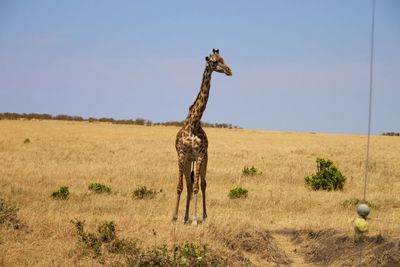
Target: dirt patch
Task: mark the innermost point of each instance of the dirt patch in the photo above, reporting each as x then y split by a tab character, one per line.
329	247
257	248
288	247
284	241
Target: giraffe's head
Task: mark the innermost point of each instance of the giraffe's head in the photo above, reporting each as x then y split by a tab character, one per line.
216	63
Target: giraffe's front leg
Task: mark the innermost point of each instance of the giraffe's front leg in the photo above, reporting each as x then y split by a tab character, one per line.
189	190
188	197
203	171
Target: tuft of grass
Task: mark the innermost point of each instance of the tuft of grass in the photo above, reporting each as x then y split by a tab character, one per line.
99	188
8	215
142	192
27	141
238	192
328	177
353	202
61	194
252	171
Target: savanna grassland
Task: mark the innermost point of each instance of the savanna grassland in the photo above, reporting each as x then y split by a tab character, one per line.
276	224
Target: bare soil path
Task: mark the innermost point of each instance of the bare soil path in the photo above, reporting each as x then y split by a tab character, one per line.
283	240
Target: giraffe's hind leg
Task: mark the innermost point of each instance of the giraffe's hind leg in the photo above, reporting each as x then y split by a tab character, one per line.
201	167
179	187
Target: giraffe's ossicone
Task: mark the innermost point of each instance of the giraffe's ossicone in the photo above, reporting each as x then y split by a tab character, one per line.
191	141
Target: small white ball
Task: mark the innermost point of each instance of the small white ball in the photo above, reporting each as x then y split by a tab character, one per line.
363	210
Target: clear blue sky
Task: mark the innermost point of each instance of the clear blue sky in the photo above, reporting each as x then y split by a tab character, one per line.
297	65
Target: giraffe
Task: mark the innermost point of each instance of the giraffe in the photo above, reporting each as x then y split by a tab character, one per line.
191	142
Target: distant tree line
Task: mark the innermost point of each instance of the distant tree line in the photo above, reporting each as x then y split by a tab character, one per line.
391	134
138	121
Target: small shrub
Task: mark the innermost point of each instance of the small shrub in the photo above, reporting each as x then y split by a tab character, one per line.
61	194
353	202
328	177
107	232
181	255
123	246
105	237
191	255
153	256
187	254
99	188
251	171
88	240
238	192
143	192
8	215
105	244
27	141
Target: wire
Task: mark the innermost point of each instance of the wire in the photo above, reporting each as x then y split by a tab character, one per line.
371	72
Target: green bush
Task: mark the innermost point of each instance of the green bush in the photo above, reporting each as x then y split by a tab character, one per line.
99	188
61	194
142	192
8	215
238	192
328	177
251	171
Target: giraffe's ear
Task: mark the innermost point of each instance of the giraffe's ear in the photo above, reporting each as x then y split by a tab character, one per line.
207	59
213	51
217	51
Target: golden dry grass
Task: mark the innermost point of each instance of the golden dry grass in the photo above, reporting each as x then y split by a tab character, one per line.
78	153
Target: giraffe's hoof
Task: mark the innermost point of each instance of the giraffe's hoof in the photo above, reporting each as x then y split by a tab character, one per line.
185	220
194	222
174	218
204	217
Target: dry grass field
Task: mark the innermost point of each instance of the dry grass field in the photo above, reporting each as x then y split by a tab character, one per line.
270	227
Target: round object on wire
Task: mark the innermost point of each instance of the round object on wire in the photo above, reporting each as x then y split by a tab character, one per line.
363	210
360	225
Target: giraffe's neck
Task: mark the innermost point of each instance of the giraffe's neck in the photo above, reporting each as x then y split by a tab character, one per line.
196	110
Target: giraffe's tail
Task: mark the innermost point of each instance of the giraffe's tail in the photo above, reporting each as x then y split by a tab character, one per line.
192	173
